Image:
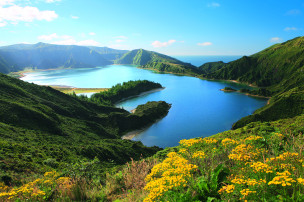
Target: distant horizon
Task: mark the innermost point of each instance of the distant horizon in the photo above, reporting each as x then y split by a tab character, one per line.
110	48
209	27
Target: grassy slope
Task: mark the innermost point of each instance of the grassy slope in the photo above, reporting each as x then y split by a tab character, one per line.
156	61
279	67
205	182
42	128
278	70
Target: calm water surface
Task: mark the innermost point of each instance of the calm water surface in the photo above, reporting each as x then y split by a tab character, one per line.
198	109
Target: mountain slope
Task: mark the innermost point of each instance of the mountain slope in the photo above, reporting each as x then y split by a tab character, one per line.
278	71
279	67
4	67
42	129
45	56
156	61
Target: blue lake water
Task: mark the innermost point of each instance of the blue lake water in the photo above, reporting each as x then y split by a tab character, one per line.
198	109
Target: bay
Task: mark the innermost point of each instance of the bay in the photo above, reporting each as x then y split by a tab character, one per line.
199	108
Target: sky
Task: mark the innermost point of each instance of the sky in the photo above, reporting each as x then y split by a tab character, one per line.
172	27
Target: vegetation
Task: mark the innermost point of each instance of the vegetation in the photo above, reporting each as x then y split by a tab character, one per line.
59	147
157	61
123	91
229	89
42	129
261	161
211	67
278	67
277	71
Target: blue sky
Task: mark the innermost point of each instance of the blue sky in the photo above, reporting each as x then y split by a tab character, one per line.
173	27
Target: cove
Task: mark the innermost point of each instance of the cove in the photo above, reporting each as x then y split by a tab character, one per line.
199	108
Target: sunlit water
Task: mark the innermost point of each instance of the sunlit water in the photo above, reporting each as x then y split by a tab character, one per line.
198	109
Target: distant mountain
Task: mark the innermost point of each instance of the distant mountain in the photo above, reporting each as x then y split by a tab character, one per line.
156	61
109	53
45	56
277	70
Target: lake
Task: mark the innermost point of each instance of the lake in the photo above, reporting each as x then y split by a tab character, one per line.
199	108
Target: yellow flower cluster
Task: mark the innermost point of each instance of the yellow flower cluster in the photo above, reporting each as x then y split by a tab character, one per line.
282	178
261	167
243	152
190	142
26	191
227	142
250	182
287	166
182	151
245	193
209	140
253	137
228	189
199	154
172	173
286	156
301	181
3	187
33	190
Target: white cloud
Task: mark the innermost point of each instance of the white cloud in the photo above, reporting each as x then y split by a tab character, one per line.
2	24
158	44
51	1
291	29
214	5
275	39
204	44
74	17
92	33
14	14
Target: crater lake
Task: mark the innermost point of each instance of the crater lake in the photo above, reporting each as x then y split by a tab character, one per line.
199	108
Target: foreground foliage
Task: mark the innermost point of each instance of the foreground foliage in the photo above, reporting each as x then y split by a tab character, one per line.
259	162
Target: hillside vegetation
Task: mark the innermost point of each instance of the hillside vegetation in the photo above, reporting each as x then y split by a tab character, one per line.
277	71
123	91
156	61
43	129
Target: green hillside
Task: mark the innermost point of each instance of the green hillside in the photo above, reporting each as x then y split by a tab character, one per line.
279	67
156	61
277	71
43	129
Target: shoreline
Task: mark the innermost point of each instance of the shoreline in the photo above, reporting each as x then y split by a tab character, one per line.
141	94
248	94
130	135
